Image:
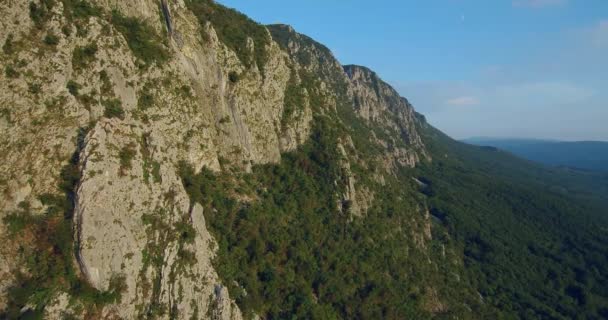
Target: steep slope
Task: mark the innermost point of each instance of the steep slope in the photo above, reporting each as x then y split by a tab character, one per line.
118	95
533	237
174	159
142	101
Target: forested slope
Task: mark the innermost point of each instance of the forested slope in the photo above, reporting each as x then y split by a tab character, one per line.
177	160
534	238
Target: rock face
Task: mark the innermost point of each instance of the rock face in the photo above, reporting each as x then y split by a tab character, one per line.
201	105
129	224
378	103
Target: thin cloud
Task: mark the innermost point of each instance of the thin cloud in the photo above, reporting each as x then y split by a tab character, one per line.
600	34
463	101
538	3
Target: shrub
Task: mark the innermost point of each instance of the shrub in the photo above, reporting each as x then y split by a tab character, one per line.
34	88
40	13
233	29
146	99
79	9
156	172
224	119
126	156
233	77
141	38
73	87
10	72
113	109
293	100
8	48
82	56
51	39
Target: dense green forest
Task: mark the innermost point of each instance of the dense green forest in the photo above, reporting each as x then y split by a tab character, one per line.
532	239
292	253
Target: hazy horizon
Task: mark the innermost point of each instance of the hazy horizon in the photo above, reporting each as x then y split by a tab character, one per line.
525	139
516	69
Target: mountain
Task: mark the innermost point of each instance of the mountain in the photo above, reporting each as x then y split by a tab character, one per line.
177	160
587	155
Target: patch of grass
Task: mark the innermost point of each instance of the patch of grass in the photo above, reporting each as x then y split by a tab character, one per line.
224	119
113	109
73	87
8	47
185	91
143	41
156	172
80	9
83	56
6	113
10	72
88	100
126	156
233	77
51	39
40	12
294	100
106	84
233	29
146	99
34	88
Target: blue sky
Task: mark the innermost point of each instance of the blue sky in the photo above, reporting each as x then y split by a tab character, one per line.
498	68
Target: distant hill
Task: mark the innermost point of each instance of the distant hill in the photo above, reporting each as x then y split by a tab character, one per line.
588	155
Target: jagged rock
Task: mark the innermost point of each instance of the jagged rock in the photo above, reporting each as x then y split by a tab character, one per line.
378	103
130	200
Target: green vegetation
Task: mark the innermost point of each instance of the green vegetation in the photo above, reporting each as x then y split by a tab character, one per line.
143	41
161	230
73	87
34	88
126	156
296	255
113	109
141	38
47	251
233	29
76	11
146	99
51	39
8	46
509	239
233	77
10	72
40	12
79	9
294	99
282	35
83	56
533	249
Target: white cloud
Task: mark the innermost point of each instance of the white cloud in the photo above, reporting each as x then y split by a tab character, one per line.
538	3
600	34
536	94
463	101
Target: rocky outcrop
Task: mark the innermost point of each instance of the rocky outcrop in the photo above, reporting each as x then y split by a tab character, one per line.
202	105
380	105
135	221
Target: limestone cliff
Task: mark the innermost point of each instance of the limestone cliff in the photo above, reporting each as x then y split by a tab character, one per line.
133	89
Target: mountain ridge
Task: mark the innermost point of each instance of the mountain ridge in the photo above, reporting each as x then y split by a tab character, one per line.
176	159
